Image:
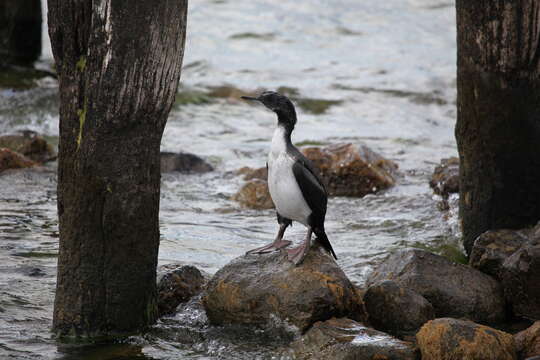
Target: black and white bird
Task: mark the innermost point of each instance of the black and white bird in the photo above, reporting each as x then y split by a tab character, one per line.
295	186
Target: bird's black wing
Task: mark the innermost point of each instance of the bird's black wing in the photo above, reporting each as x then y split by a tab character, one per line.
310	184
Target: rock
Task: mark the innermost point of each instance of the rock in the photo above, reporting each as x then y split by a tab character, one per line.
445	178
352	170
520	276
254	194
177	285
257	289
12	160
341	339
346	169
453	339
396	310
492	248
528	341
453	289
29	144
183	162
250	173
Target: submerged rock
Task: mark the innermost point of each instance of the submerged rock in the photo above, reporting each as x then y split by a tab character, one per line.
528	341
255	289
177	285
254	194
183	162
12	160
346	170
452	339
520	276
445	178
453	289
492	248
29	144
342	339
395	309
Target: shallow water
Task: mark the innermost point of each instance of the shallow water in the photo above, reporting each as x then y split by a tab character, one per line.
391	63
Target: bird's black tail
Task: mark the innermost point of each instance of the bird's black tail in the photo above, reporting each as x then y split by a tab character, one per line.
323	240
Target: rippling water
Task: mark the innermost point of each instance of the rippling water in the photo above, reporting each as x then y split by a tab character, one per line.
391	63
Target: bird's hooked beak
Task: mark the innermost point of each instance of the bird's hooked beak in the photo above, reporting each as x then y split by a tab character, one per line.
250	98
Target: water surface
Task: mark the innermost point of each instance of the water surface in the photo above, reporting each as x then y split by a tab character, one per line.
392	66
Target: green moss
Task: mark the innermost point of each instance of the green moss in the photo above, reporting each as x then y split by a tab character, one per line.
310	143
82	118
193	97
316	106
288	91
36	254
81	64
250	35
450	251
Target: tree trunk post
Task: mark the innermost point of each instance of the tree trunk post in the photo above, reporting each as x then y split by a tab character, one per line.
498	119
20	32
119	66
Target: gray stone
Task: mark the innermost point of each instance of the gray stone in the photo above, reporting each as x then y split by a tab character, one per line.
453	289
395	309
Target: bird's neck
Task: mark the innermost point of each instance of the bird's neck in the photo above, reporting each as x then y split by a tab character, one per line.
281	139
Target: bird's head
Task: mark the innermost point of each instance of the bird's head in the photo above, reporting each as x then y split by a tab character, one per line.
280	104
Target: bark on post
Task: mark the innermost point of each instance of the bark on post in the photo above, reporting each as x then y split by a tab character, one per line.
498	124
119	67
20	31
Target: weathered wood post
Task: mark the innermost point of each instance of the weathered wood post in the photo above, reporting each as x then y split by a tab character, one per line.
498	121
119	66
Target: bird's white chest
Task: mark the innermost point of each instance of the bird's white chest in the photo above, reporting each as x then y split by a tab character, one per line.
284	189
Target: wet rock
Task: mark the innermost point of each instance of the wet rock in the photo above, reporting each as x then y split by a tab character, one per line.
12	160
528	341
492	248
520	276
177	285
183	162
352	170
347	339
255	289
445	178
453	289
452	339
254	194
346	169
29	144
395	309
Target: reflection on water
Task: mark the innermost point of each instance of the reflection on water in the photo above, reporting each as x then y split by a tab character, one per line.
390	64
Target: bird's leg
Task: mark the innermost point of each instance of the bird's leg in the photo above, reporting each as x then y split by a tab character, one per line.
278	243
297	254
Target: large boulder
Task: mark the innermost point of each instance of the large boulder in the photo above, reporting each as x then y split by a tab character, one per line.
12	160
395	309
346	339
257	289
177	284
453	289
493	247
528	341
183	162
255	194
29	144
445	178
520	276
453	339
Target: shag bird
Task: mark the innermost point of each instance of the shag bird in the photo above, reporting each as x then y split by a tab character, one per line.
295	186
